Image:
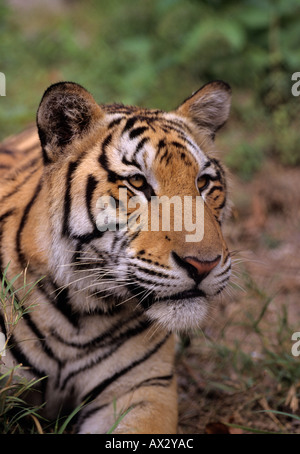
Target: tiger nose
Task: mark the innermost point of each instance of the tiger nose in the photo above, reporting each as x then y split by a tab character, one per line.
202	267
197	269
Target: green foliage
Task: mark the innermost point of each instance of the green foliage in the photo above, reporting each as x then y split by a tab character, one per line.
155	53
16	416
286	135
246	158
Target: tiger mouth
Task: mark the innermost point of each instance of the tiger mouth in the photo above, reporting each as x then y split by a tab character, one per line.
187	294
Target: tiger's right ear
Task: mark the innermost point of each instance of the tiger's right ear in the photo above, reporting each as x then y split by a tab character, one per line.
208	108
66	112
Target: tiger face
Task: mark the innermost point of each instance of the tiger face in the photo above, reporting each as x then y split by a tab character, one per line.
117	154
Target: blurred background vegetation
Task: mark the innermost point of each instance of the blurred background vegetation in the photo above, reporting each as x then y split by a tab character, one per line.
155	53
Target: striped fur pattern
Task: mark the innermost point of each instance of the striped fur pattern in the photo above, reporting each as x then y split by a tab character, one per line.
100	327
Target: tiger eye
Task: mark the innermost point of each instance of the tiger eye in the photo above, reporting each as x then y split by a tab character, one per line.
137	181
202	182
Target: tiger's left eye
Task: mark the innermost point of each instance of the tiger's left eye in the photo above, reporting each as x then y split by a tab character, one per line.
137	181
202	182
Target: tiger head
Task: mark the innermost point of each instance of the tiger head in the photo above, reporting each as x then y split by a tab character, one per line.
100	158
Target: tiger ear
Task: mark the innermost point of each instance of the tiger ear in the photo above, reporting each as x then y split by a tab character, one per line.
208	107
66	112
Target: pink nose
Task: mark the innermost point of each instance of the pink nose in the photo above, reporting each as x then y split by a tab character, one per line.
202	267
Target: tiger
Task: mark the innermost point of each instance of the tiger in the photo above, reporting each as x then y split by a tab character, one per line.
99	326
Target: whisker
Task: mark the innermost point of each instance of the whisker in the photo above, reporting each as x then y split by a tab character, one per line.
236	285
128	299
152	331
78	264
110	288
147	293
63	287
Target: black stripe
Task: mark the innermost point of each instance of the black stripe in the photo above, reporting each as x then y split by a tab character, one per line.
6	151
79	262
178	124
220	171
103	340
161	146
137	132
224	272
87	237
16	189
2	325
29	164
2	219
103	160
24	167
213	189
106	142
40	337
130	123
128	163
7	214
152	272
21	256
115	122
67	202
219	207
181	134
154	263
60	301
228	255
89	191
207	164
163	156
140	292
163	380
217	177
140	145
178	145
221	288
22	358
118	342
87	413
97	390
